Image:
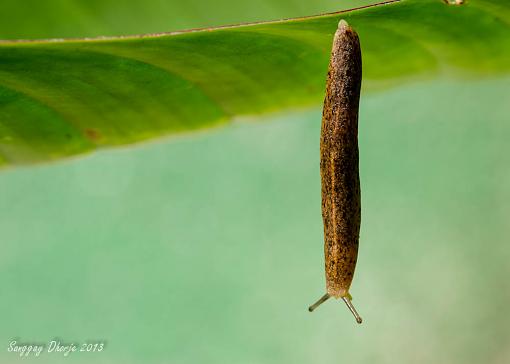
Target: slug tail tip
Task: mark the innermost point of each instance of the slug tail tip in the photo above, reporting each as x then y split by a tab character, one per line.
342	24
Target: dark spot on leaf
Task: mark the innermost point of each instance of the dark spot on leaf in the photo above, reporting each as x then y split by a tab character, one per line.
92	134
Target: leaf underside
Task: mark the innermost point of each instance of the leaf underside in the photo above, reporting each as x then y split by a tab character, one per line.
62	98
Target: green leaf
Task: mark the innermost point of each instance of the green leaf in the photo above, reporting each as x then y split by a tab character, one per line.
61	98
36	19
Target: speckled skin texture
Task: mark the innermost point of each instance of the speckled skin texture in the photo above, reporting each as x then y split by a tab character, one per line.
339	166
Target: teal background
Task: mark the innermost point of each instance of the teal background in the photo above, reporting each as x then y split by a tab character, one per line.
208	247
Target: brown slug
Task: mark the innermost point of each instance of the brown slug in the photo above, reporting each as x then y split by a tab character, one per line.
339	166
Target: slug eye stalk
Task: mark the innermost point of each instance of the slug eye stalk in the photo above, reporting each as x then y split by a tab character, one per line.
319	302
348	302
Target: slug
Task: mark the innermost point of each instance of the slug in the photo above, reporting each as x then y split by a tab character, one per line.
339	166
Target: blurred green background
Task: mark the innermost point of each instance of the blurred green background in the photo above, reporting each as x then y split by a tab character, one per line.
207	248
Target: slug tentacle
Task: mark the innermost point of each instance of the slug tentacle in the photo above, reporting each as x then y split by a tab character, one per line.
319	302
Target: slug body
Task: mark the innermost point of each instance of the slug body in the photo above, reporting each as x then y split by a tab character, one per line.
341	197
339	165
